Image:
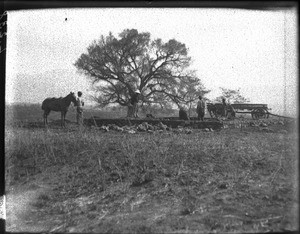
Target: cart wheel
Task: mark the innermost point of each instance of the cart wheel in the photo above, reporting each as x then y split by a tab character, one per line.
259	113
253	114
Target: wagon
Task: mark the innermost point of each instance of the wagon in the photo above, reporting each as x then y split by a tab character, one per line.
257	111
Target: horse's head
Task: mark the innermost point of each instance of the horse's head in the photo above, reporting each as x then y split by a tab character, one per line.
72	97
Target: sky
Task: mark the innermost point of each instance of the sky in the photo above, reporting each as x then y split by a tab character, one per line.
251	50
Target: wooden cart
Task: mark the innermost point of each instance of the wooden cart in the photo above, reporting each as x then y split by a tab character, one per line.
257	111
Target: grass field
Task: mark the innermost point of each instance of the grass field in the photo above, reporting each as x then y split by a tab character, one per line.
86	180
34	113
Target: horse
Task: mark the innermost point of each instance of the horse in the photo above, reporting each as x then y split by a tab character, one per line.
217	110
58	105
212	110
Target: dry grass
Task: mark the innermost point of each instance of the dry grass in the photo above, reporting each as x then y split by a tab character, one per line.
227	181
235	180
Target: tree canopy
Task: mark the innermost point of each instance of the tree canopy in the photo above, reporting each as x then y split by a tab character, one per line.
119	66
232	96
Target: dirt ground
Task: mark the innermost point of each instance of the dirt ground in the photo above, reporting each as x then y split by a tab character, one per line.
185	203
21	209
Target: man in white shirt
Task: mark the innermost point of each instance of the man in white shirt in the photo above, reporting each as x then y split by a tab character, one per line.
79	105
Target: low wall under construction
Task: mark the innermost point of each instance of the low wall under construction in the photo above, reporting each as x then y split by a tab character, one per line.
170	122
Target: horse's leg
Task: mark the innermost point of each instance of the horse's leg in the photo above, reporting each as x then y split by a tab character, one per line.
65	113
46	113
44	118
62	119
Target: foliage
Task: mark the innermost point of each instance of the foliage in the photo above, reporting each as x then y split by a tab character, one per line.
232	96
118	66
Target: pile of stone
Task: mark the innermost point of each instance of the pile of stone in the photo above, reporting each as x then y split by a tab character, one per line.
147	128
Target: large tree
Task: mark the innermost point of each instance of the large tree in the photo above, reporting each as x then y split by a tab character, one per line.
232	96
118	66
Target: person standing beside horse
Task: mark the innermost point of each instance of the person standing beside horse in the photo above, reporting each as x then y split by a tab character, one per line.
79	105
201	108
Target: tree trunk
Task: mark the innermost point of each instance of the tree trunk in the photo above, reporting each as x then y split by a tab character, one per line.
130	111
190	107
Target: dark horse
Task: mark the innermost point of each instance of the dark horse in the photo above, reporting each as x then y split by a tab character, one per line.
58	104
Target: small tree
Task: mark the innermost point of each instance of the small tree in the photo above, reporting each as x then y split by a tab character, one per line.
118	66
232	96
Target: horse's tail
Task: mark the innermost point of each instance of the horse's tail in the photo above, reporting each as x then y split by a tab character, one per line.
44	104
